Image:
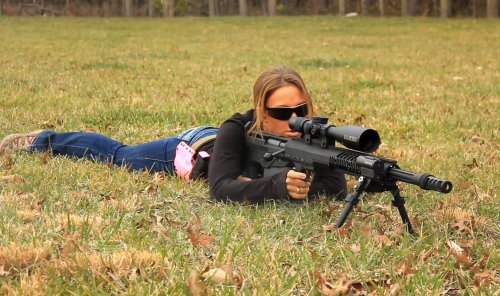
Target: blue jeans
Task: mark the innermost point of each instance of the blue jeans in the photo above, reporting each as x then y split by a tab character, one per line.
155	156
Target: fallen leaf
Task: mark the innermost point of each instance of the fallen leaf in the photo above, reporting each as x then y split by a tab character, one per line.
328	289
484	278
329	227
151	189
44	158
9	162
382	239
195	286
482	262
12	178
344	228
330	210
459	253
216	276
355	248
359	119
464	185
198	238
473	165
366	229
404	268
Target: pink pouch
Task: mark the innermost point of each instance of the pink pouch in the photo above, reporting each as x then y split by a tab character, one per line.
183	161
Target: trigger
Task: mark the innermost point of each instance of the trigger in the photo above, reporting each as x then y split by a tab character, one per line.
309	175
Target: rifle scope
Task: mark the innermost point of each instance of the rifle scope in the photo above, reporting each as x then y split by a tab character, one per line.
352	137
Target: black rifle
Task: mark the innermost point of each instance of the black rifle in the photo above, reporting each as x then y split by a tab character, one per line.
268	153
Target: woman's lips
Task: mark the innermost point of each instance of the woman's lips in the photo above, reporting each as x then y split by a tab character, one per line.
292	134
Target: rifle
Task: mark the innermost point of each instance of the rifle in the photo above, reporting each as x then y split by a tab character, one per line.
268	153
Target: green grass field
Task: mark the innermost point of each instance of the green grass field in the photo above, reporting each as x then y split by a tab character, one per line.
430	87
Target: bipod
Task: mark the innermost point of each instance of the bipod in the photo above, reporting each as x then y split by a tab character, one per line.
353	198
399	202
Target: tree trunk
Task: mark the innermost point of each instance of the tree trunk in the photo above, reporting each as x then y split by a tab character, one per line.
243	7
128	8
381	6
151	8
325	6
1	7
263	6
413	7
341	7
425	8
492	8
211	7
66	7
114	8
474	8
364	7
168	8
100	3
404	7
445	8
271	7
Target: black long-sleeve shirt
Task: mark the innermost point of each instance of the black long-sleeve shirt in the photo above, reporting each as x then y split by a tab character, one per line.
227	164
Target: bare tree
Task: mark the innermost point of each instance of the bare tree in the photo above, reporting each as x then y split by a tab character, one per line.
364	7
151	8
341	7
263	6
168	8
271	4
243	7
115	7
492	8
211	7
66	7
445	8
128	8
381	6
474	8
425	7
404	7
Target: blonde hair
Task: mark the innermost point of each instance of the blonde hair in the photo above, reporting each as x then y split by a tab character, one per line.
269	81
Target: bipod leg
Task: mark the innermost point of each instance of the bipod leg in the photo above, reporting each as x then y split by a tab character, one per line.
399	202
352	199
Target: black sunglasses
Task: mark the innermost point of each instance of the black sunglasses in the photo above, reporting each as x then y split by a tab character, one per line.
284	113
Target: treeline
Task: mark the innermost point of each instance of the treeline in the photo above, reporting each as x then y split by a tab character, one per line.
171	8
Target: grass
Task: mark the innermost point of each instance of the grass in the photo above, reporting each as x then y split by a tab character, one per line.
430	87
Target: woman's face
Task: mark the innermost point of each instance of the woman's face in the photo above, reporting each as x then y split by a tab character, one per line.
285	96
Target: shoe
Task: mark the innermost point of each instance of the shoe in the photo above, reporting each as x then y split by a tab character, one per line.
15	142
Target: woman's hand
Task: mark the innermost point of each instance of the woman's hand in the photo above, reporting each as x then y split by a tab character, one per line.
296	184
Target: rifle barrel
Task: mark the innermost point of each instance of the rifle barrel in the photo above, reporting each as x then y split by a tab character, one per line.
425	181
